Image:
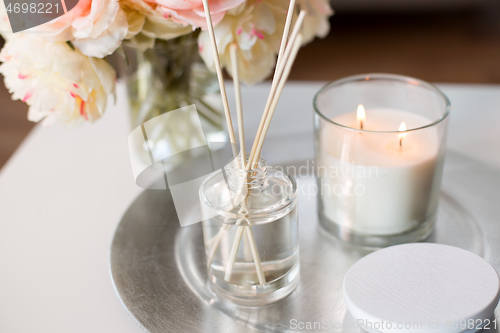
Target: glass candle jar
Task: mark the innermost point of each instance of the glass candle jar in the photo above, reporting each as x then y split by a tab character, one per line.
379	149
250	230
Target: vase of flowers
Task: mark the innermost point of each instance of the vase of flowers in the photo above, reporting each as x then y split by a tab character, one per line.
60	68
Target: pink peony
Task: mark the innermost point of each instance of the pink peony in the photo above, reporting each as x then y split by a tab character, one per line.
96	27
191	12
257	28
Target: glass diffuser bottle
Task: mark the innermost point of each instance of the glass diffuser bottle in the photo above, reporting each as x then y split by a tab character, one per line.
250	230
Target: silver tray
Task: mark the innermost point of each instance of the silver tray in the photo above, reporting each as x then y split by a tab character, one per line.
158	268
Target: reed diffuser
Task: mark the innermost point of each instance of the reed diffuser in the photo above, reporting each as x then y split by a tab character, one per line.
250	215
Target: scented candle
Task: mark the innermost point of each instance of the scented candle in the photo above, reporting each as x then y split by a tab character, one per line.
379	156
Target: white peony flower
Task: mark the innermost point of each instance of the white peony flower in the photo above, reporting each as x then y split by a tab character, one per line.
316	23
57	82
257	27
96	27
135	21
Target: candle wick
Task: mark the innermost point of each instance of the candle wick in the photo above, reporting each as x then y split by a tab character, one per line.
361	124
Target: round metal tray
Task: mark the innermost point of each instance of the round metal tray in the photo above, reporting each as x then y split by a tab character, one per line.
158	268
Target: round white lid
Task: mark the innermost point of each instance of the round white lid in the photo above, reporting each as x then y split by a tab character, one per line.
421	287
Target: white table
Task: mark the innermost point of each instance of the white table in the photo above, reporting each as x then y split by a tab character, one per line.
64	191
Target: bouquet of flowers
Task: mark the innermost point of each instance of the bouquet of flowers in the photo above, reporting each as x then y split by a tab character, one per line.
59	68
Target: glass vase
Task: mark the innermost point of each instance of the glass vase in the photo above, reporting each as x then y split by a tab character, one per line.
167	77
250	231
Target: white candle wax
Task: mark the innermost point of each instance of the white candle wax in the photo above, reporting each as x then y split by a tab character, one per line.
369	182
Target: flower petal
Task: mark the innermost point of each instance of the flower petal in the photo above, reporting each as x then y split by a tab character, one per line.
108	41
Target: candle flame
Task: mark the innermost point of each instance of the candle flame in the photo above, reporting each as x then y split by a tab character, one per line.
402	128
361	112
361	115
